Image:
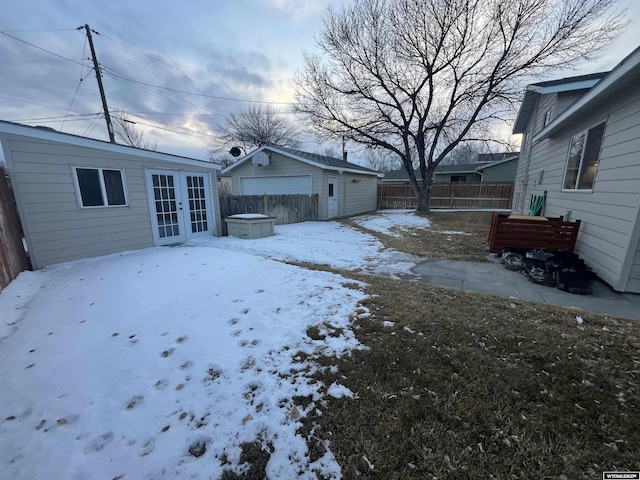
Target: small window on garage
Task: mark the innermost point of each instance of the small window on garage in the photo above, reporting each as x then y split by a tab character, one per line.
101	187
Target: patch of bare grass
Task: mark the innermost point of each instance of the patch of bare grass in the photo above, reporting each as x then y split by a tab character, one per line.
436	243
472	386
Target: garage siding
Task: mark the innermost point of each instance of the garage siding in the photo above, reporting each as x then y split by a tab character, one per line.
276	185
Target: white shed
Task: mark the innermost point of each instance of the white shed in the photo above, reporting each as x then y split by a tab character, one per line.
78	197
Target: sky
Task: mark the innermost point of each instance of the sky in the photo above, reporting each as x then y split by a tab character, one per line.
227	54
160	363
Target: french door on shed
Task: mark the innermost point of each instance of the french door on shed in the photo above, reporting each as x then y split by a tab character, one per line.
180	205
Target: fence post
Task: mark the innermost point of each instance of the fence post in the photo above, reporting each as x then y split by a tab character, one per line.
13	259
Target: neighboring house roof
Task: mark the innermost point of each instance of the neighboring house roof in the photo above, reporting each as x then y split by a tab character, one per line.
534	90
401	174
70	139
496	157
619	81
457	168
321	161
514	156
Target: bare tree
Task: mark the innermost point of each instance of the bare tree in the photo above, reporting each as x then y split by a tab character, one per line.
224	159
125	131
380	160
251	128
417	77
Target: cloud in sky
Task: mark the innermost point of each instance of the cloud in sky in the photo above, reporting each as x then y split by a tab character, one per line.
245	49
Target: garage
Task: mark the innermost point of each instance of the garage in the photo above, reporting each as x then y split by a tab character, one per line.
276	185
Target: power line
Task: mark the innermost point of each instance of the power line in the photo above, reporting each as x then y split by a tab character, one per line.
42	30
53	119
40	48
35	103
84	49
216	97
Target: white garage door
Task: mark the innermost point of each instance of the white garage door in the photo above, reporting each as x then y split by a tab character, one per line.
283	185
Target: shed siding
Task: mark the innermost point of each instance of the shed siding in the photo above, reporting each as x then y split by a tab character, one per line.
608	212
57	229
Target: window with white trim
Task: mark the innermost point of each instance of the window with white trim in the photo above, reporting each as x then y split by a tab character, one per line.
101	187
582	162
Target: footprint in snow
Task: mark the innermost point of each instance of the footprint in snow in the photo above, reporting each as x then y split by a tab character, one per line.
147	447
167	352
135	400
236	333
98	444
233	321
161	384
260	290
245	310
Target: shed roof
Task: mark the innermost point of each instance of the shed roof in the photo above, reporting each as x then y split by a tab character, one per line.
322	161
50	134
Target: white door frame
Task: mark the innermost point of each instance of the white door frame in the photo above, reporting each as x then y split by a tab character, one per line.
332	197
183	208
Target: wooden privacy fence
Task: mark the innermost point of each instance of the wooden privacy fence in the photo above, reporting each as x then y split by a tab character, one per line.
286	208
13	259
532	232
455	195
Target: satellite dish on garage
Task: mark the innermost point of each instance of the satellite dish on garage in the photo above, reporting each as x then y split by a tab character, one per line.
235	151
260	159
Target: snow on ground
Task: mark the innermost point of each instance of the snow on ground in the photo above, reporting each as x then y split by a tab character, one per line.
160	363
393	222
330	243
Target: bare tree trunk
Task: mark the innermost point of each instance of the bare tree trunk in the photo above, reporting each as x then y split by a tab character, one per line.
424	200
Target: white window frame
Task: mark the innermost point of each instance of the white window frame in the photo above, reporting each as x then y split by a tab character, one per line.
584	132
103	188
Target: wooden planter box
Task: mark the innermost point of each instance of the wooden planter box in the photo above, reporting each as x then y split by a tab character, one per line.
250	226
532	232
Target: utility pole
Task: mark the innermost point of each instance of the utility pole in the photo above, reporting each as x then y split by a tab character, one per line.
96	67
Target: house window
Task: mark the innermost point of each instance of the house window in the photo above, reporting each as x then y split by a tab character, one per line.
101	187
458	178
582	164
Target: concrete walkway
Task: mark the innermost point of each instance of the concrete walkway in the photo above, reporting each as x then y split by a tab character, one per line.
494	279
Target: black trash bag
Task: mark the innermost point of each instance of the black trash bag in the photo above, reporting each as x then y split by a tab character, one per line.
513	261
540	254
540	272
578	282
513	257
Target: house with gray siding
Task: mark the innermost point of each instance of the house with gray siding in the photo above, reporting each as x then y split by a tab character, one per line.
486	170
343	188
581	145
79	197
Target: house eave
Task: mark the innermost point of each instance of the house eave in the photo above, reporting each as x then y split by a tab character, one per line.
627	70
533	92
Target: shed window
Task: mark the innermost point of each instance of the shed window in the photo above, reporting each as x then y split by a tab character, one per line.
582	164
101	187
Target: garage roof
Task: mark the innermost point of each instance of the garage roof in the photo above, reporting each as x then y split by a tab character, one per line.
321	161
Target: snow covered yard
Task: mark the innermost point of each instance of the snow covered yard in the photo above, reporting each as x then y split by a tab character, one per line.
162	363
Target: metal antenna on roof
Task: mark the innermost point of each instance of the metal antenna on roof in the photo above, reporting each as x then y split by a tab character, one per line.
96	67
